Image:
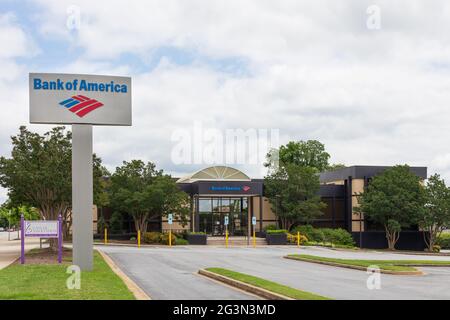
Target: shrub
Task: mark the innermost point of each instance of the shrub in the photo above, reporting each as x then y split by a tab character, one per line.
276	231
444	241
436	248
339	237
181	242
310	232
270	227
133	239
200	232
152	237
292	238
164	238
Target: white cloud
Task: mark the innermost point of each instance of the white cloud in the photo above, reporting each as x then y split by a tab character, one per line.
313	70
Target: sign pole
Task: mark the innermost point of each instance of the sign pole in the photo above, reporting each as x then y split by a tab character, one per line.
60	239
170	221
22	240
82	196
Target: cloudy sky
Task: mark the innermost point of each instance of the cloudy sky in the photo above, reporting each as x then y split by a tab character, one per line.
374	91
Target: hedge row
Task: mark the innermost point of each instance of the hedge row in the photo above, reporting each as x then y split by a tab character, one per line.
162	238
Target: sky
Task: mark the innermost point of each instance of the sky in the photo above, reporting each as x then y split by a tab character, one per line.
369	79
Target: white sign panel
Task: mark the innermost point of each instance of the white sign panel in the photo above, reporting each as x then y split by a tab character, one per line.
170	219
226	220
41	228
254	221
80	99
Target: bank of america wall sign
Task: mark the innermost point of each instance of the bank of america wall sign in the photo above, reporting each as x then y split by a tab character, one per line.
80	99
230	188
81	105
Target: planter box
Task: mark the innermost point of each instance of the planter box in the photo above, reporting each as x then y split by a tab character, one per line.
197	239
276	239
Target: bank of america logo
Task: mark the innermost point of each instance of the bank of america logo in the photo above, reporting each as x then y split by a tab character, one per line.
246	188
81	105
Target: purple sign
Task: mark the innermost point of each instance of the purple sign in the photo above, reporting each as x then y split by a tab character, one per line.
41	229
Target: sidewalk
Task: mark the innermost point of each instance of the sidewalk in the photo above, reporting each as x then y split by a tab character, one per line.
10	250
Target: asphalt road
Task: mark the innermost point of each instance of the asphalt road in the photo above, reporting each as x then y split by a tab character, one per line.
170	273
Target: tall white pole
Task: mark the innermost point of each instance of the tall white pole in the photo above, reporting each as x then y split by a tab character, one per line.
82	196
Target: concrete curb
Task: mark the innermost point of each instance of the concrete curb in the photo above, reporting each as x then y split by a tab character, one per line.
131	285
263	293
334	264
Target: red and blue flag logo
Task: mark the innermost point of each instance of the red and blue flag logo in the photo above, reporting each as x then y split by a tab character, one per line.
81	105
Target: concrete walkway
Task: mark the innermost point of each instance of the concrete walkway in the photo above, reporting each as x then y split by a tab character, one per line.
10	250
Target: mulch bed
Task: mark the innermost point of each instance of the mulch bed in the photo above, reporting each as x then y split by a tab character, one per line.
46	256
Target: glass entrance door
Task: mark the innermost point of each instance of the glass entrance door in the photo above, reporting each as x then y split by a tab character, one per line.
212	212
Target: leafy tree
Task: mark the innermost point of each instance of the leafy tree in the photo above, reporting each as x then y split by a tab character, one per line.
102	224
436	216
146	193
335	166
38	174
116	223
395	199
11	215
310	153
292	192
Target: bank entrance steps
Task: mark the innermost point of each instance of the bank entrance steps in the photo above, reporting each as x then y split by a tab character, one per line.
235	241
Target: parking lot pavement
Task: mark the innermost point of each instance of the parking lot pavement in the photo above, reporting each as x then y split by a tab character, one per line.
170	273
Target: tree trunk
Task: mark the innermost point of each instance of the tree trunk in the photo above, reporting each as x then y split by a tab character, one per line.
140	223
392	238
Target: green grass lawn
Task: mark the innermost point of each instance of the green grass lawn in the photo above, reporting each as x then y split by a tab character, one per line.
268	285
48	282
389	265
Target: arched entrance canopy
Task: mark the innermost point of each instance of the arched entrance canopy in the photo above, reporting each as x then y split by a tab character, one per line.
216	173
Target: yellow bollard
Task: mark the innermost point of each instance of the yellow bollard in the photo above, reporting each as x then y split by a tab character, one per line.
106	236
170	237
254	239
139	238
226	238
298	238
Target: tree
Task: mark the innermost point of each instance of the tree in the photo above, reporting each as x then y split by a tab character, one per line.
335	166
310	153
395	199
116	223
38	174
292	191
436	216
146	193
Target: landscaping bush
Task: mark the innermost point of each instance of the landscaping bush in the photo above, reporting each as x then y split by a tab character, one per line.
159	238
310	232
444	240
322	236
276	231
164	238
181	242
270	227
338	236
152	237
436	248
292	238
